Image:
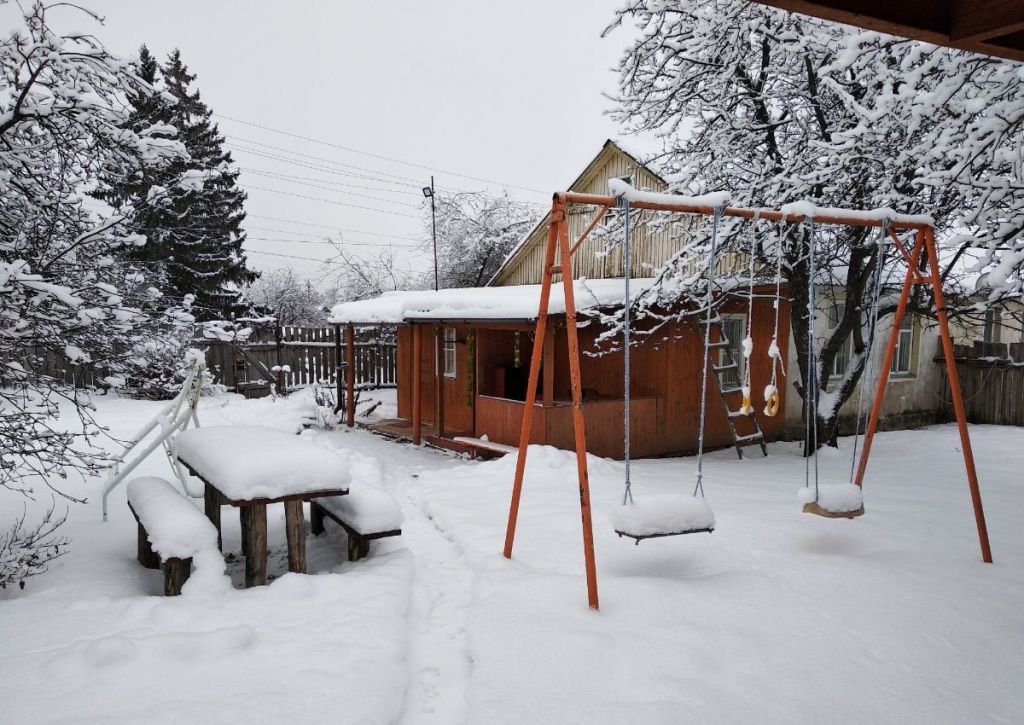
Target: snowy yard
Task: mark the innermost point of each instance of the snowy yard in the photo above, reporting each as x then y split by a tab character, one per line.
776	617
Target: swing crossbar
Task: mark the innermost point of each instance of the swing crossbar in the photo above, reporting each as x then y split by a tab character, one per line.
900	222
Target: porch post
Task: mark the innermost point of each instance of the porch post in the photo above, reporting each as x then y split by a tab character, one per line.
548	390
417	393
439	381
350	376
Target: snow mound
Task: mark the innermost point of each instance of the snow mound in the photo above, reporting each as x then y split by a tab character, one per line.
366	509
663	514
838	498
248	462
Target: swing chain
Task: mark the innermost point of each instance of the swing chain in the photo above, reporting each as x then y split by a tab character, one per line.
876	298
627	496
709	299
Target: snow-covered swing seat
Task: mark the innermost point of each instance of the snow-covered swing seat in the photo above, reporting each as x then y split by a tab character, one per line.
664	514
836	500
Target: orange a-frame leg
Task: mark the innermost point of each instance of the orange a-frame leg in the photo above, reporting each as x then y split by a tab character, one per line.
925	243
558	237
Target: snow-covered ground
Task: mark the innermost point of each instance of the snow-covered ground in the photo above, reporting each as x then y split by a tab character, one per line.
776	617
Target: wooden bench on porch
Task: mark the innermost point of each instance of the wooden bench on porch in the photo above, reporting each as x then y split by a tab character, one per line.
365	514
172	531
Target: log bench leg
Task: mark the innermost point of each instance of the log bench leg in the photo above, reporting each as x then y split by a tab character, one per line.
211	502
176	573
147	557
254	543
358	547
293	522
316	519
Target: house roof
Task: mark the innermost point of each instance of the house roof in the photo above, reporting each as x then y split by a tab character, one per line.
979	26
610	146
497	304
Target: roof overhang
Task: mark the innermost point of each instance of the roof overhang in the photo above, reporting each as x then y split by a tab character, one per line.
989	27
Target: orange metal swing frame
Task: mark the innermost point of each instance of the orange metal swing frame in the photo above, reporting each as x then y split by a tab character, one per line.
921	245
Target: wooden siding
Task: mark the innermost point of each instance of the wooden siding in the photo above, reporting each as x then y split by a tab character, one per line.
650	249
665	392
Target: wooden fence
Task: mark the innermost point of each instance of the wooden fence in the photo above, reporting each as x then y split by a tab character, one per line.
992	378
300	356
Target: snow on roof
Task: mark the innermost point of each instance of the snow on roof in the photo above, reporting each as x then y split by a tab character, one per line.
517	302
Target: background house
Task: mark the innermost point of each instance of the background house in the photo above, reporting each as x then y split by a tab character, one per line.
475	347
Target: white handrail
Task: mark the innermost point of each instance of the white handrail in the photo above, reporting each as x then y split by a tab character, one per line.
173	417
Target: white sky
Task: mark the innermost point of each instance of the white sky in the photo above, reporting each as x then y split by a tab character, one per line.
509	91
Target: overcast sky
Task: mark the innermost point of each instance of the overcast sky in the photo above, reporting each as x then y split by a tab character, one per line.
509	92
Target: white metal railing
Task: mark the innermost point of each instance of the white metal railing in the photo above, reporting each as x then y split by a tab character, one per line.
173	417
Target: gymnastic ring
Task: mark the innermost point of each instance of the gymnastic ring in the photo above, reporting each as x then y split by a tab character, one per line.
771	407
746	408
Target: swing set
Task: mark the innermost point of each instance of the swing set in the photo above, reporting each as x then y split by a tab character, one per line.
679	514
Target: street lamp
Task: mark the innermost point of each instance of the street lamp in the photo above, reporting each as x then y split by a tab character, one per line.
428	192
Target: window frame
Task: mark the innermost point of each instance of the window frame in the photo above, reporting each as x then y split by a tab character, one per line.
449	353
907	331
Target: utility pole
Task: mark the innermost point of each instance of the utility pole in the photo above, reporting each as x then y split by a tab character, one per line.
428	191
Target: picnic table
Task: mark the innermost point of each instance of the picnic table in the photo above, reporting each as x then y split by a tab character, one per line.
249	467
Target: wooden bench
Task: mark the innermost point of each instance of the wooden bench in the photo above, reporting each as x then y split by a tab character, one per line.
171	530
365	514
482	445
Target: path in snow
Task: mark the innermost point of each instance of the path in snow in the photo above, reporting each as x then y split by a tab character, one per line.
438	660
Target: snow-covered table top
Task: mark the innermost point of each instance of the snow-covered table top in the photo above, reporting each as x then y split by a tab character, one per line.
248	462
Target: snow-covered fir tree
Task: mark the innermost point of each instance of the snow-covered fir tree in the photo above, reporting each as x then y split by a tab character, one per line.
195	240
777	107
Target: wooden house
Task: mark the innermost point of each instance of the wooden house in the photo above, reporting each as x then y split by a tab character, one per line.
464	355
472	349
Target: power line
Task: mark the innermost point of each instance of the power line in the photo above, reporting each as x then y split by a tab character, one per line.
335	191
265	172
320	161
328	201
330	262
343	243
401	180
329	226
373	155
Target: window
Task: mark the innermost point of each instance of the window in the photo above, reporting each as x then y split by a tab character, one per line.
449	353
842	358
902	361
735	329
991	331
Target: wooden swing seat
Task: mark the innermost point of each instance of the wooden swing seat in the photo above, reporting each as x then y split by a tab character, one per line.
812	507
640	537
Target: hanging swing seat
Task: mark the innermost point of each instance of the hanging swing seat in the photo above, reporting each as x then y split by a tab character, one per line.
833	500
664	515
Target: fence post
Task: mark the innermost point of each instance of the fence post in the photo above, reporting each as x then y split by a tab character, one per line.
340	397
279	350
350	377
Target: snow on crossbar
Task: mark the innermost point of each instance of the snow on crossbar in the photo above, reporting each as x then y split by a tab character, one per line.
664	515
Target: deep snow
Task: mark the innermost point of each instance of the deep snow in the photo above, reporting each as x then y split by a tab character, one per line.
776	617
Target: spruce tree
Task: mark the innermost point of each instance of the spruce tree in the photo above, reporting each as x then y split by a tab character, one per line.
194	236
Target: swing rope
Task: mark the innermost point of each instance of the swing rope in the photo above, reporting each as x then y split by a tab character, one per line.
708	300
876	297
627	497
811	379
748	342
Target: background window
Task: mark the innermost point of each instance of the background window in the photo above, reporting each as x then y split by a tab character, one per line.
449	353
903	358
842	358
